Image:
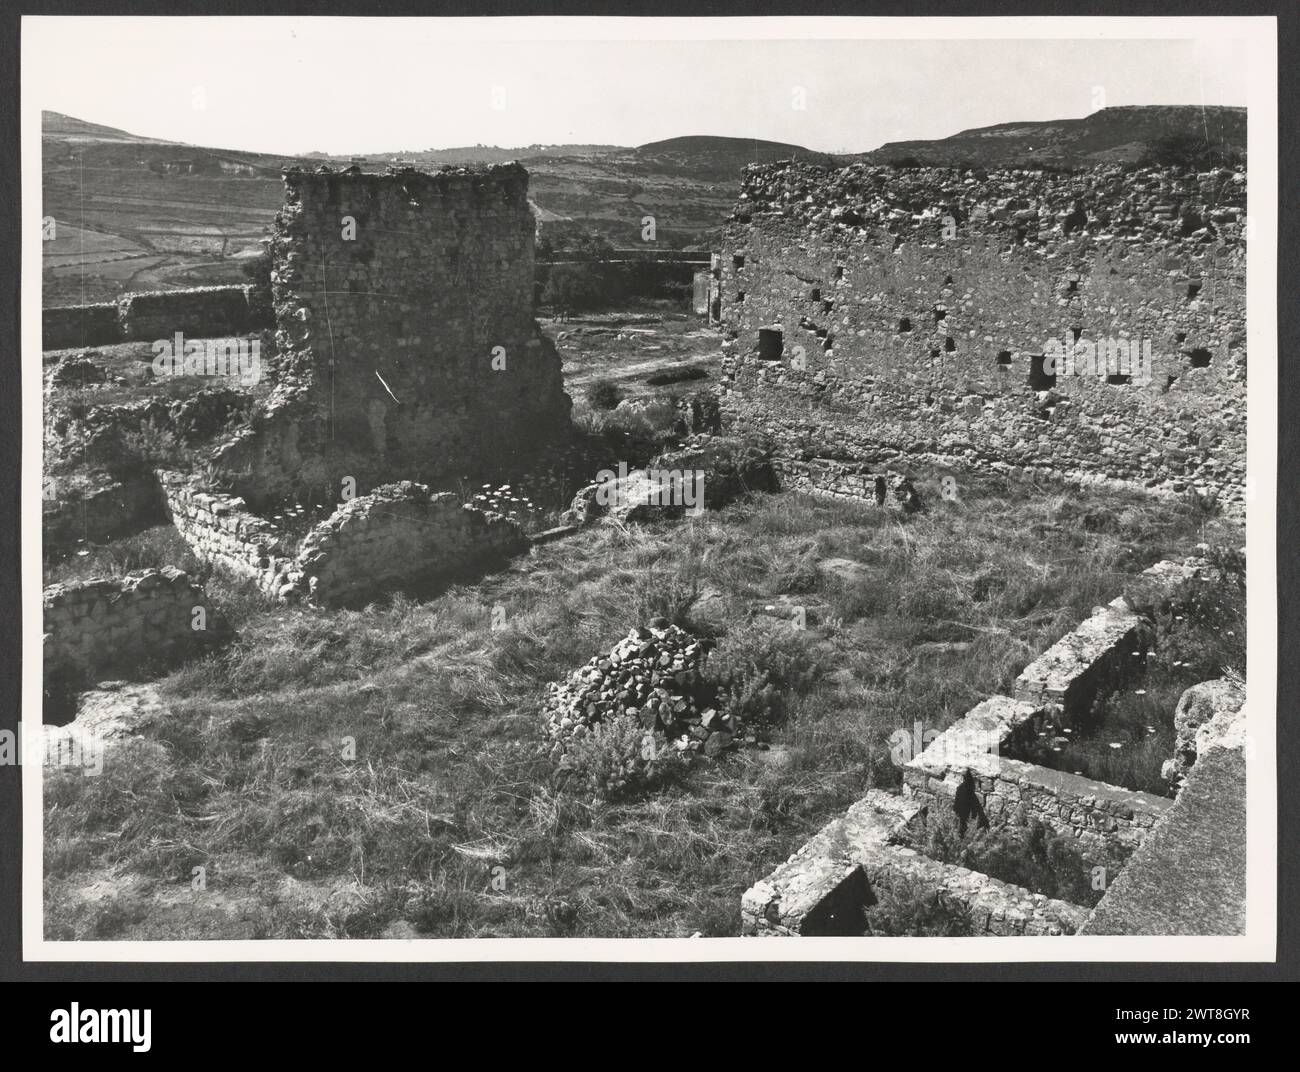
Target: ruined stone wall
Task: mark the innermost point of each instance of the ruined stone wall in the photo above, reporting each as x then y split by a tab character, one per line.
881	314
198	311
825	886
399	535
220	530
202	312
404	313
117	623
66	326
970	769
1007	791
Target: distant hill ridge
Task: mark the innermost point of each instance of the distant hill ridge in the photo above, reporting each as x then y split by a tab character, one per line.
56	124
140	213
1107	136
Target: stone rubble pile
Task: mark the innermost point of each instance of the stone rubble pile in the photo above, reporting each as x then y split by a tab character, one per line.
76	370
654	673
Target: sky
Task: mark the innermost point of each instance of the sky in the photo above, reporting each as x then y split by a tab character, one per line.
387	85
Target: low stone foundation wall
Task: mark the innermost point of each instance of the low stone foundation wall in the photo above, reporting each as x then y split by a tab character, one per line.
398	535
988	789
818	890
995	907
1105	648
846	480
221	530
825	887
117	623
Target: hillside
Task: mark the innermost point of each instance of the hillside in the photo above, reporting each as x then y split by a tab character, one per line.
464	154
716	158
67	127
136	213
1111	135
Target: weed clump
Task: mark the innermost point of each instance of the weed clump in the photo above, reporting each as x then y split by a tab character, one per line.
909	909
757	670
617	759
604	394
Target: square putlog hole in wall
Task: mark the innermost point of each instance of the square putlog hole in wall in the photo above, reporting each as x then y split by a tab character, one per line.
950	344
1199	358
1039	378
771	344
904	325
1118	379
1004	357
738	261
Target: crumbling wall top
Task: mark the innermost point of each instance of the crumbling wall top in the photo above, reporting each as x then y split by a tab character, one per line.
486	180
1120	201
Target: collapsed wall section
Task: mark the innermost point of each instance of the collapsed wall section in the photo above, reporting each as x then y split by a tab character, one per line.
404	325
880	313
400	535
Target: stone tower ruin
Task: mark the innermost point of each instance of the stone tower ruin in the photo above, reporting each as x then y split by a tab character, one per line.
406	346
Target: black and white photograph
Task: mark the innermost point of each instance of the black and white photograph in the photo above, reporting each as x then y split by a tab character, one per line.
786	486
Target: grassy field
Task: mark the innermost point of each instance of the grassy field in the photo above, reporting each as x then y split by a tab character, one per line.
639	351
382	773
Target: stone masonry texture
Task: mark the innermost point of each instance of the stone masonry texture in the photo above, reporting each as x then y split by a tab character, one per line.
117	623
878	315
398	535
407	347
220	530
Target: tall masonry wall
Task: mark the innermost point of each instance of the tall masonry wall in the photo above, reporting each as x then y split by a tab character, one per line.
877	314
407	347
